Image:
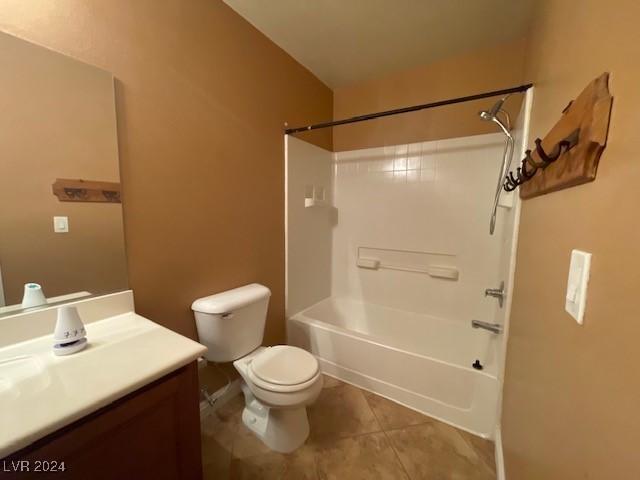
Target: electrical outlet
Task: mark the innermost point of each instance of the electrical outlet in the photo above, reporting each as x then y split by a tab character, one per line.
61	224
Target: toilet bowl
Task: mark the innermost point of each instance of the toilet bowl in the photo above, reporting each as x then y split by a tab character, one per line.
278	382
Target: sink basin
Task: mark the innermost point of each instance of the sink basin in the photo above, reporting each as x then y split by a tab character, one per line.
41	392
29	368
22	375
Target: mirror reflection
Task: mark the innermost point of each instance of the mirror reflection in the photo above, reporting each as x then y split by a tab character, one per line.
61	231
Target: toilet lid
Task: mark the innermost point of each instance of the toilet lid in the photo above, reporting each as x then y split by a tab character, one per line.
284	365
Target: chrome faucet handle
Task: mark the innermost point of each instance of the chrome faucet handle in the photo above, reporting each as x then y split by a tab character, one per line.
498	293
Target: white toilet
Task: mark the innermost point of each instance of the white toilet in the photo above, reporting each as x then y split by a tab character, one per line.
279	382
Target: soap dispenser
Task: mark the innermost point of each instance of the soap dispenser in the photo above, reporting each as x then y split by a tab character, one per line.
69	335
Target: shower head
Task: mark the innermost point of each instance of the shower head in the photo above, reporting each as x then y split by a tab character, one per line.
492	113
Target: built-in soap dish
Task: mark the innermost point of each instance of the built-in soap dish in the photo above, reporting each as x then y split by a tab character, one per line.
312	202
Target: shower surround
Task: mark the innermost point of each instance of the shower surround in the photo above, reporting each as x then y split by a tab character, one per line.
384	279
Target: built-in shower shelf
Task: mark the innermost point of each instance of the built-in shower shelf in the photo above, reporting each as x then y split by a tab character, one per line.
429	263
315	196
313	202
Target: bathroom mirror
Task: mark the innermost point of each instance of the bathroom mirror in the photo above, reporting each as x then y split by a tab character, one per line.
60	212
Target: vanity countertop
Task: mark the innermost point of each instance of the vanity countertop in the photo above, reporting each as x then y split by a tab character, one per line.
41	393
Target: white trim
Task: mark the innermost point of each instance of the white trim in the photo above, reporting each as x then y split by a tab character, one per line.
500	473
286	223
2	300
222	397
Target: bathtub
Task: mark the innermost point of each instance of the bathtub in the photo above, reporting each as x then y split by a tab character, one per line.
417	360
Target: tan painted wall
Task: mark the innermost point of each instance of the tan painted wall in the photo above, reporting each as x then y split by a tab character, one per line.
572	392
202	97
58	121
479	71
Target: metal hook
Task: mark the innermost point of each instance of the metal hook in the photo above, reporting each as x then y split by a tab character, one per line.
528	160
524	175
508	186
514	181
543	155
565	144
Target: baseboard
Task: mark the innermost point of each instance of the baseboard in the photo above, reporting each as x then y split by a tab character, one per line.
222	396
500	473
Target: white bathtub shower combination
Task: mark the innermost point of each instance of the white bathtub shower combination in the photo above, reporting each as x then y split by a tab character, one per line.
387	266
417	360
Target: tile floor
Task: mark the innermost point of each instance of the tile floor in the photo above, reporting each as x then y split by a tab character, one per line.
354	435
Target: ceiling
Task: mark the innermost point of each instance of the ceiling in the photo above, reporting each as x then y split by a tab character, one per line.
349	41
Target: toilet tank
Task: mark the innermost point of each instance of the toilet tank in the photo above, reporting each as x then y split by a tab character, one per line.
231	323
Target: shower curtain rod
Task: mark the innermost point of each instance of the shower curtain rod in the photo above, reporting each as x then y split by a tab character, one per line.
414	108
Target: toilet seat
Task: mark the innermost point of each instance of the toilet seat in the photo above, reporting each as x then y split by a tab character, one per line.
283	368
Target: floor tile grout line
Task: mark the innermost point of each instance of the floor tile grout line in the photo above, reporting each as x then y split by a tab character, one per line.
465	436
395	429
236	434
427	418
384	432
393	448
315	464
480	456
354	435
457	431
366	402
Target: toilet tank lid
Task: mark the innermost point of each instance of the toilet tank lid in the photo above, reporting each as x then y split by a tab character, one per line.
230	300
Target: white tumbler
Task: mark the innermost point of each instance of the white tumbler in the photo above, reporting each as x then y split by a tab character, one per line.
33	296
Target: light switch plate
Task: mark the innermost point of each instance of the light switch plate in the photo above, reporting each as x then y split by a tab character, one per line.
61	224
576	297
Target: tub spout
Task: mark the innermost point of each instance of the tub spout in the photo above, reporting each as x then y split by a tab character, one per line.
492	327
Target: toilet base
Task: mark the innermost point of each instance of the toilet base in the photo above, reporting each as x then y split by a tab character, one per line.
282	430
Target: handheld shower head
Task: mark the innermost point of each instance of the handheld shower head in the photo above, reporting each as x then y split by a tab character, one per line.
492	113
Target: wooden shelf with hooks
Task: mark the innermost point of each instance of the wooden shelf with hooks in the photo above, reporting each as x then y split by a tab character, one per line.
86	191
569	154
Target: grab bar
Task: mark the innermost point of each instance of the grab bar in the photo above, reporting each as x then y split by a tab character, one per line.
492	327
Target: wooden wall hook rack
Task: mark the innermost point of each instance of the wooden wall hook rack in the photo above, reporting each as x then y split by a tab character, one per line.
569	154
86	191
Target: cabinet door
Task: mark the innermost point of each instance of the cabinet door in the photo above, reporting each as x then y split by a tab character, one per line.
153	433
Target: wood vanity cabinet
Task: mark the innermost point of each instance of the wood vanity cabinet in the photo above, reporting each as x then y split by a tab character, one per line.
151	433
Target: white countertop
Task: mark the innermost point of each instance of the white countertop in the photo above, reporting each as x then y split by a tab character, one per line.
41	393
